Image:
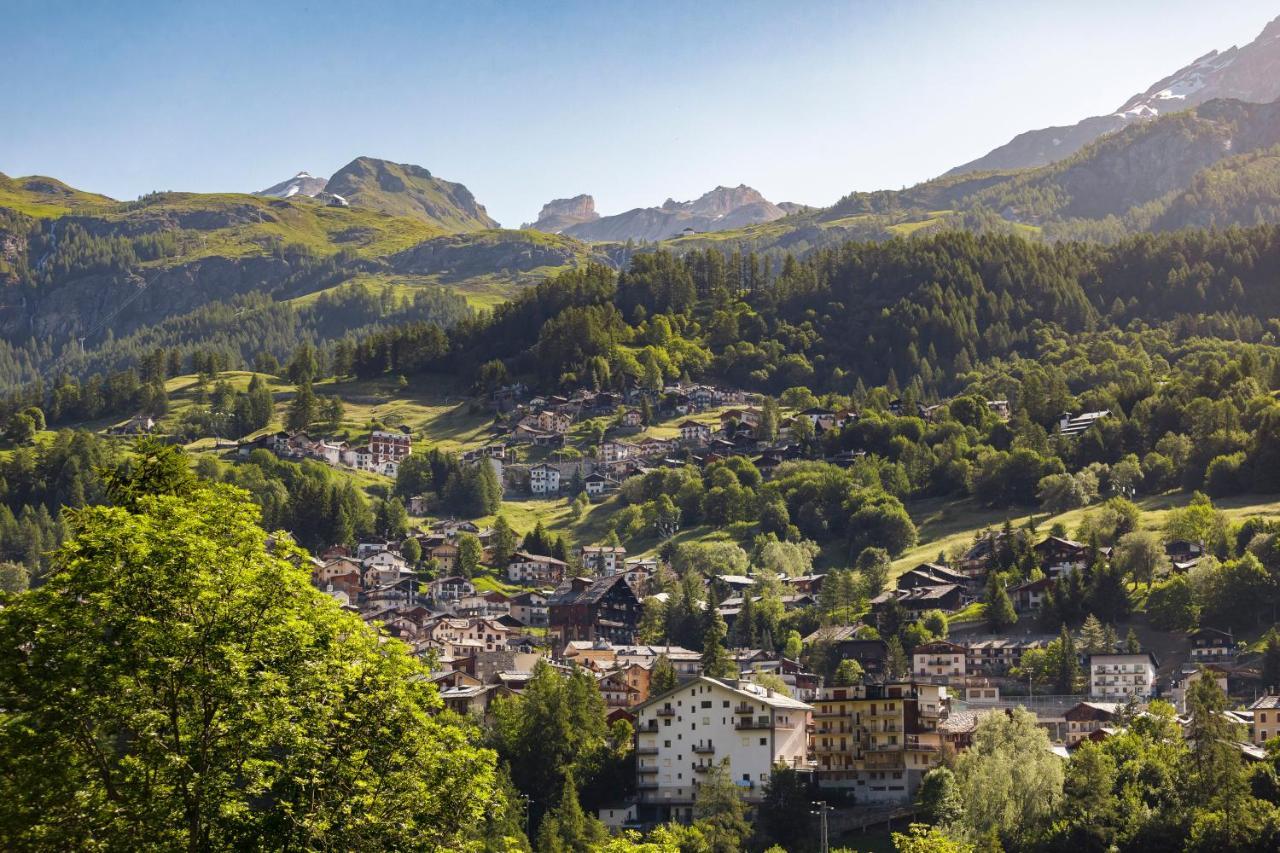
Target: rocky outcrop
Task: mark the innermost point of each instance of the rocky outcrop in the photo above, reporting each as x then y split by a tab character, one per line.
718	210
560	213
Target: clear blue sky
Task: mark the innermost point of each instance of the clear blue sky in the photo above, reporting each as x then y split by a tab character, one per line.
524	102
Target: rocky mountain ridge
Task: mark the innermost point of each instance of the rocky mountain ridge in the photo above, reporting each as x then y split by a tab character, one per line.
720	209
1250	73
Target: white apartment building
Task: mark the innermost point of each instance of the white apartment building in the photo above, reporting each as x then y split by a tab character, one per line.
604	560
1121	676
544	479
939	660
682	733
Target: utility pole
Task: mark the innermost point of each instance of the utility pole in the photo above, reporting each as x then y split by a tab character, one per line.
820	809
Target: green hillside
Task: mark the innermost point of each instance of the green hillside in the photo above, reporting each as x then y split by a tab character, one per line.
42	197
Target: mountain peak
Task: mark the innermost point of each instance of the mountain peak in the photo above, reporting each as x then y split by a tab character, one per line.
719	209
303	183
406	189
1250	73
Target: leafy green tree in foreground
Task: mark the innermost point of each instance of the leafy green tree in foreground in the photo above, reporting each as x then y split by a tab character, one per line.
178	684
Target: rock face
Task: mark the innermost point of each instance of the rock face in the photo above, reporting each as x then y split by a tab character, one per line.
403	189
560	213
719	210
1250	73
302	183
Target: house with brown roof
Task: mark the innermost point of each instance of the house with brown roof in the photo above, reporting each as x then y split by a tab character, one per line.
589	609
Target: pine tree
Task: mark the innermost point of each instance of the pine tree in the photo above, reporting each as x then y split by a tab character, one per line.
1093	638
504	541
999	608
1068	665
1131	644
716	662
567	828
302	409
663	677
896	664
1271	659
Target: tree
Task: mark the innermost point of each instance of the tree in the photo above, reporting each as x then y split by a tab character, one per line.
21	429
940	798
720	812
566	828
999	608
332	412
715	660
928	839
663	677
1131	644
302	408
896	663
1139	554
14	577
1172	607
848	673
555	728
1068	665
504	541
1093	637
1271	660
767	430
873	566
1215	769
217	699
793	646
470	552
784	813
1010	782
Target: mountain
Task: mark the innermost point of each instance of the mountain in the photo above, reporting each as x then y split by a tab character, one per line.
302	183
721	209
1249	73
560	213
402	189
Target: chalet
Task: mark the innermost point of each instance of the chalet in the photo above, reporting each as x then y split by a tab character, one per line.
451	588
444	553
544	479
393	446
611	452
631	419
535	568
530	608
686	662
692	432
931	574
136	425
1058	555
598	484
651	447
1030	594
846	644
330	569
1210	645
490	604
1086	718
939	660
819	418
1000	408
749	416
997	655
1072	426
945	597
586	609
603	559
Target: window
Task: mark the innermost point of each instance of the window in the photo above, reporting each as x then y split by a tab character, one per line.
765	741
726	703
706	703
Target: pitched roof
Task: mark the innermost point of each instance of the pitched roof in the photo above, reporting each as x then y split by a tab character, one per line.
777	700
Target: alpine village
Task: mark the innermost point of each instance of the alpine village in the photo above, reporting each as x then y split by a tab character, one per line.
335	516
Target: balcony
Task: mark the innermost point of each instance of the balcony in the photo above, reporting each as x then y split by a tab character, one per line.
646	750
701	767
744	708
753	723
651	727
921	746
650	785
668	711
646	770
704	748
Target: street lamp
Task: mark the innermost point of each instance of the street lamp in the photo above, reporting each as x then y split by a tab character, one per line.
821	809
